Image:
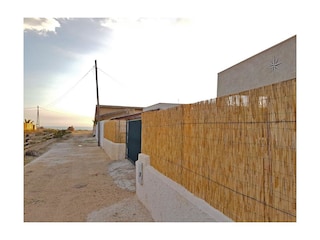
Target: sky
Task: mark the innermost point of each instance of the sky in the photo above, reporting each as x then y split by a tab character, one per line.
141	60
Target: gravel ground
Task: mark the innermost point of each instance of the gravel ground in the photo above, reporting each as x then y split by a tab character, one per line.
75	181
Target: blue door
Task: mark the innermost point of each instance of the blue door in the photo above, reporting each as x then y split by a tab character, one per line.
133	139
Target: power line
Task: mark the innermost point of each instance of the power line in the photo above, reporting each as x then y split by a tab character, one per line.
30	108
114	79
70	89
51	110
42	109
63	95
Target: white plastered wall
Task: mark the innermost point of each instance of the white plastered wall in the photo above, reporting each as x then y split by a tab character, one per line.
167	201
273	65
116	151
101	126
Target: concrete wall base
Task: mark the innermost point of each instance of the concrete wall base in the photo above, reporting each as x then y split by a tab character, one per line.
116	151
168	201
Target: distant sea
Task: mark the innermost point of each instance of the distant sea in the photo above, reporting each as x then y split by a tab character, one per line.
65	128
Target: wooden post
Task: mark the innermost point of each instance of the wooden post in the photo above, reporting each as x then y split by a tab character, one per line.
98	105
38	118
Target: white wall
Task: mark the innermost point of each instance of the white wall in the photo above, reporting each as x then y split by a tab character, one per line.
168	201
258	71
101	124
116	151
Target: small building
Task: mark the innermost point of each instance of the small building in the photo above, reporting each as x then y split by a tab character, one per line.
107	112
28	126
120	129
110	111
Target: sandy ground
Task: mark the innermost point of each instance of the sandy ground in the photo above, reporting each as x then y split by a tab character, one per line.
75	181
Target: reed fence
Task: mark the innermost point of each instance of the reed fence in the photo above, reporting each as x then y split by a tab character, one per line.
115	131
236	152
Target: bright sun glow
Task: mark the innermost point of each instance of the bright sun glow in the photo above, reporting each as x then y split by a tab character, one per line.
141	61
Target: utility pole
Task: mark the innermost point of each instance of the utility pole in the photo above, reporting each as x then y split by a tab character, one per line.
38	118
98	105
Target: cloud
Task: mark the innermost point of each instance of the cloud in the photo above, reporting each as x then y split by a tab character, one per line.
59	53
82	35
142	21
41	25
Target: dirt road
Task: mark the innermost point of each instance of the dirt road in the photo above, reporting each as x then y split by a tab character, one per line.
75	181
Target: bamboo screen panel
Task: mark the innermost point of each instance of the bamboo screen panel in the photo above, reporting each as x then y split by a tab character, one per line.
237	152
115	131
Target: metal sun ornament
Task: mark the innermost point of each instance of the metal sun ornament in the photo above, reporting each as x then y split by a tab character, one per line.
275	64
